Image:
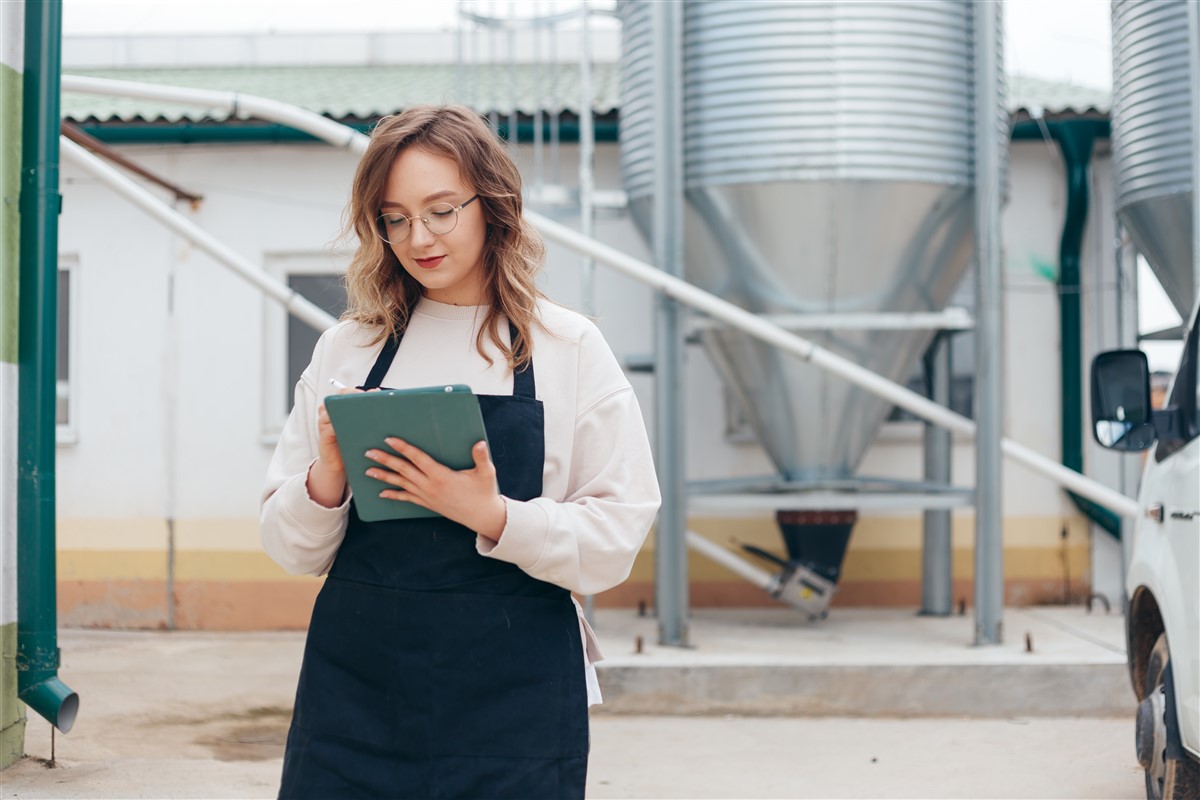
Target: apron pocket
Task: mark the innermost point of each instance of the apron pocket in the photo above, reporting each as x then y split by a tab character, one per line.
508	678
349	687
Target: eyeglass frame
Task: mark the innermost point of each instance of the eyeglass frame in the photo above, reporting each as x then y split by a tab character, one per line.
424	220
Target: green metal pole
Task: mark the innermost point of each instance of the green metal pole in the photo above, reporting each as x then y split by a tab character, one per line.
37	624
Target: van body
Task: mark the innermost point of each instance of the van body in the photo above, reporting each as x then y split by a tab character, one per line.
1163	575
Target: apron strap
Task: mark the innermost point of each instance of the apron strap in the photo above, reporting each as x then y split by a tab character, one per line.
383	363
523	381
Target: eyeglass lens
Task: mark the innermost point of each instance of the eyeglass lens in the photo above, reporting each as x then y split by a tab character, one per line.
439	218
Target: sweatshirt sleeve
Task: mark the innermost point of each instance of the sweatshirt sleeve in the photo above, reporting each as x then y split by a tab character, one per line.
587	543
301	535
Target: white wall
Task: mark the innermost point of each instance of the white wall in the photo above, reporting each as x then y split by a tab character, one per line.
259	201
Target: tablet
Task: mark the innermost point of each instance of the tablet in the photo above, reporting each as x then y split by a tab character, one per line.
444	421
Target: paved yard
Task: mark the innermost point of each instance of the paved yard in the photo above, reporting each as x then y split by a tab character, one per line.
205	714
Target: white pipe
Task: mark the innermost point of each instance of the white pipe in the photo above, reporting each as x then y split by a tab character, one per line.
820	357
714	552
235	103
638	270
172	219
587	157
957	319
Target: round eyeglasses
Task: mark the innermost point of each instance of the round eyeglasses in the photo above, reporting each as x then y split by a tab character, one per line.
439	219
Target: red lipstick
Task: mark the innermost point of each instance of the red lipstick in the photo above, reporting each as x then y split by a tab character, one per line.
429	263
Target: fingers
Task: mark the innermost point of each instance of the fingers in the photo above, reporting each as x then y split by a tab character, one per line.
390	460
323	413
408	480
399	471
408	497
480	453
415	477
414	454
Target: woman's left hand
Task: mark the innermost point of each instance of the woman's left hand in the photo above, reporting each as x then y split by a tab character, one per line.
470	497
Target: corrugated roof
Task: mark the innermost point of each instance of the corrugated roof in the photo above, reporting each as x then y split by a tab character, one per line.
1035	95
365	92
353	91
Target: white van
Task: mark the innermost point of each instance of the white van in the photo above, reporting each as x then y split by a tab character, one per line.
1163	584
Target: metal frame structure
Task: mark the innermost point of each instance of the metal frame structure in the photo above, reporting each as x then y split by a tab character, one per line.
989	288
670	548
937	579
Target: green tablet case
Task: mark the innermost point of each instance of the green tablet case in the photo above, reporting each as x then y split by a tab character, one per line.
444	421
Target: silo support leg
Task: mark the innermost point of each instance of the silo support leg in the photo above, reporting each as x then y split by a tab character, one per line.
936	572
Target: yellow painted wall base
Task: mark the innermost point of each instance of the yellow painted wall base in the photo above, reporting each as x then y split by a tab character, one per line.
199	605
242	589
287	605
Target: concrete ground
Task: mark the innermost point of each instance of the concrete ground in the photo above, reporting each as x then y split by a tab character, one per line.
1054	661
205	714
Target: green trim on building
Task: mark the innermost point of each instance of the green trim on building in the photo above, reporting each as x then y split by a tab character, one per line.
10	178
12	724
605	130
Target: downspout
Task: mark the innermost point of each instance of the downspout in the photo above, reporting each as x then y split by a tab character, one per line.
1075	139
38	685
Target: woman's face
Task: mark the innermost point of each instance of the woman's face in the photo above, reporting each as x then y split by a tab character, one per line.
449	266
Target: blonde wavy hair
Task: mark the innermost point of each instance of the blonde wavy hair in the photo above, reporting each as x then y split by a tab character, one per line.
381	292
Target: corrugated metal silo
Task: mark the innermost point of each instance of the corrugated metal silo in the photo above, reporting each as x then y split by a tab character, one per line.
1152	138
828	168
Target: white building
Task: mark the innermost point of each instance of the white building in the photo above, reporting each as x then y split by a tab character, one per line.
177	374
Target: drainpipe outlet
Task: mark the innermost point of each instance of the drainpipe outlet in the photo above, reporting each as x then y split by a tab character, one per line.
53	700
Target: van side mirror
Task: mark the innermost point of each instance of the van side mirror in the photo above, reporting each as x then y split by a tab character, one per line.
1121	414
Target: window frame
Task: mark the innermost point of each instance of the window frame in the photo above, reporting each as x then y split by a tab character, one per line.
67	434
275	395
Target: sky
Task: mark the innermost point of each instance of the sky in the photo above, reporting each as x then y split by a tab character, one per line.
1060	40
1063	40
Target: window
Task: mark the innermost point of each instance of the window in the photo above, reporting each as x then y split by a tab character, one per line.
962	380
962	365
324	290
288	341
66	395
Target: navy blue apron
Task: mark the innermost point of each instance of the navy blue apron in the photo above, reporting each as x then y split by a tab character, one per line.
431	671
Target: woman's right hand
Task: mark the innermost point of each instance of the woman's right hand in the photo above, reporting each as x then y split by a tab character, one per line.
327	478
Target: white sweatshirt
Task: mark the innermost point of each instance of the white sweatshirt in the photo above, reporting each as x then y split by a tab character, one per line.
599	490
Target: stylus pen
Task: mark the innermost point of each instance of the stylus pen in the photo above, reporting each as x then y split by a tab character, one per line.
335	383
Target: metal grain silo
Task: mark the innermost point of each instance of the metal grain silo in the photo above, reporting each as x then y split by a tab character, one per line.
1152	138
828	162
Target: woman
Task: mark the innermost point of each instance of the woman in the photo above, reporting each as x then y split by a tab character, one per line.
446	656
